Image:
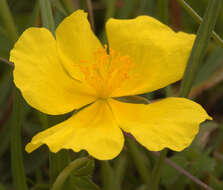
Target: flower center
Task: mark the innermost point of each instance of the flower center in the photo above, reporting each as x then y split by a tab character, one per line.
108	72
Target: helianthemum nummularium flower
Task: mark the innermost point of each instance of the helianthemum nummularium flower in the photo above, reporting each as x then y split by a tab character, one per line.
59	75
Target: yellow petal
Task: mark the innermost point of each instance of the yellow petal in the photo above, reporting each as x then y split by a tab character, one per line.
93	129
41	78
171	122
159	54
76	42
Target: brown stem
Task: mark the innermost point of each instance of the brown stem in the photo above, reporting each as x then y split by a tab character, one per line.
6	61
175	15
184	172
91	14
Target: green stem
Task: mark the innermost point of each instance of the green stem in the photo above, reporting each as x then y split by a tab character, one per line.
120	169
76	164
18	172
47	15
137	158
8	21
199	20
109	181
157	170
200	46
57	163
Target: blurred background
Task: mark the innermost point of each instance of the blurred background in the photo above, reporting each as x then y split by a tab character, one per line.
203	159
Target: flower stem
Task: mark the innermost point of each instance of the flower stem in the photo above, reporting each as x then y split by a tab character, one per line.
8	21
108	177
200	46
139	163
157	170
75	165
6	61
120	169
199	20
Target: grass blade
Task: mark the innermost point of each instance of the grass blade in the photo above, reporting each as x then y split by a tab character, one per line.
18	173
199	20
47	15
8	21
200	46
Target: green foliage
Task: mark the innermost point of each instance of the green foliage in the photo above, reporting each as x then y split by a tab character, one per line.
132	169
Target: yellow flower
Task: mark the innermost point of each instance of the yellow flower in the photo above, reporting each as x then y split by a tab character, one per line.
59	75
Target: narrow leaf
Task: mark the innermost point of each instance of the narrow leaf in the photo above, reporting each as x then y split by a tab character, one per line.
200	46
18	173
47	15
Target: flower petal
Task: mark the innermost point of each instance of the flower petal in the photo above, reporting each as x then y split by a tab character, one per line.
93	129
76	42
41	78
159	54
172	122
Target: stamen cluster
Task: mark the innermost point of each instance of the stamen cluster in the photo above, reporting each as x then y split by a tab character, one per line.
108	71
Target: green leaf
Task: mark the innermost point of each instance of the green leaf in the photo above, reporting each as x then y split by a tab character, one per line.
18	173
60	7
127	8
198	19
216	183
140	163
5	86
58	162
212	64
203	137
73	168
5	44
108	177
2	187
47	15
110	9
200	46
163	10
34	15
133	99
8	21
83	183
148	7
202	166
69	5
169	174
5	138
85	170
